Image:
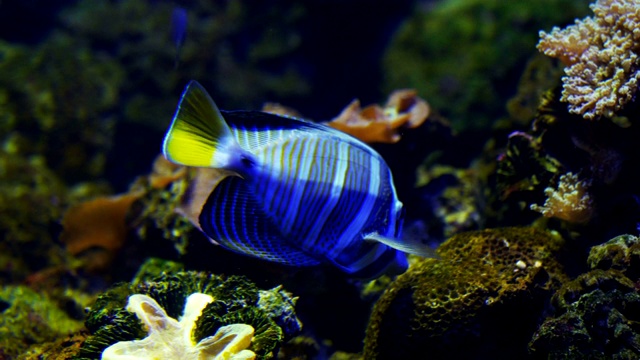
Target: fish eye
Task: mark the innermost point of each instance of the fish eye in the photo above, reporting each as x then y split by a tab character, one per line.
246	161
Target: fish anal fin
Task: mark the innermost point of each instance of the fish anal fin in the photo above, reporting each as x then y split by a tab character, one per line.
232	217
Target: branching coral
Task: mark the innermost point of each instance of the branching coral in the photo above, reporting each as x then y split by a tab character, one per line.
601	55
570	201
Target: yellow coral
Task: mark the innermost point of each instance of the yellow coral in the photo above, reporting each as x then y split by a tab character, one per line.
172	339
601	54
570	201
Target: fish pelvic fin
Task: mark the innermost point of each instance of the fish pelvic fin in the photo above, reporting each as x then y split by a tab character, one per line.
409	247
200	137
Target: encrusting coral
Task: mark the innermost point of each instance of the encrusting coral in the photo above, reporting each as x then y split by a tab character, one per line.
169	338
601	58
570	201
471	301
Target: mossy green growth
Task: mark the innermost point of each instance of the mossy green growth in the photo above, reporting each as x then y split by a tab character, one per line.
28	317
236	300
54	101
28	236
154	267
483	297
470	83
156	214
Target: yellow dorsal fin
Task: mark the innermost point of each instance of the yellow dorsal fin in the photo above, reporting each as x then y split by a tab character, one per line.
198	135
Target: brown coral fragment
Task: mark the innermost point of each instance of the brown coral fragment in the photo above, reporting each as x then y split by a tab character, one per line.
375	124
98	223
165	172
601	55
197	193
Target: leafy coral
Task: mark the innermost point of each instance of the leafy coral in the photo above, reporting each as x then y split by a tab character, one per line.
480	285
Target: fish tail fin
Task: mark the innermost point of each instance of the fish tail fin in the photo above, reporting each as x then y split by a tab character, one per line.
199	136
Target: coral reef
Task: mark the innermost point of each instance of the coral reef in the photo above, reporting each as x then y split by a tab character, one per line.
596	314
471	300
601	58
494	40
28	317
235	300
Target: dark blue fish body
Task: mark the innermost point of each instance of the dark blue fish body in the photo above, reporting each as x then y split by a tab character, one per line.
304	193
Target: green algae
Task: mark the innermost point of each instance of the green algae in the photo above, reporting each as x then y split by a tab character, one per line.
28	317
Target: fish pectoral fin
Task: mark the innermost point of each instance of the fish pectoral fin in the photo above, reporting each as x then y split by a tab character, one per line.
199	135
410	247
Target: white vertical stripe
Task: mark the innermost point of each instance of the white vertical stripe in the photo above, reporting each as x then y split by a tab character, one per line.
297	189
337	184
358	222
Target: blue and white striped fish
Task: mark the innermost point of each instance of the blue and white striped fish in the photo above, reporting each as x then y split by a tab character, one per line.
301	194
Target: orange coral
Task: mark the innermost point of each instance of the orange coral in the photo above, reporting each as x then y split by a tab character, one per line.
404	109
98	223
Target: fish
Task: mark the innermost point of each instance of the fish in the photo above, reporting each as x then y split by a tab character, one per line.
178	30
297	192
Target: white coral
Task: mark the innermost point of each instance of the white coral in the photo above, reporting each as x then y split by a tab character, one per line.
169	338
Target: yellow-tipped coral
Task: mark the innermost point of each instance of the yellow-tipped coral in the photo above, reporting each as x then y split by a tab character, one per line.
169	338
601	55
570	201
